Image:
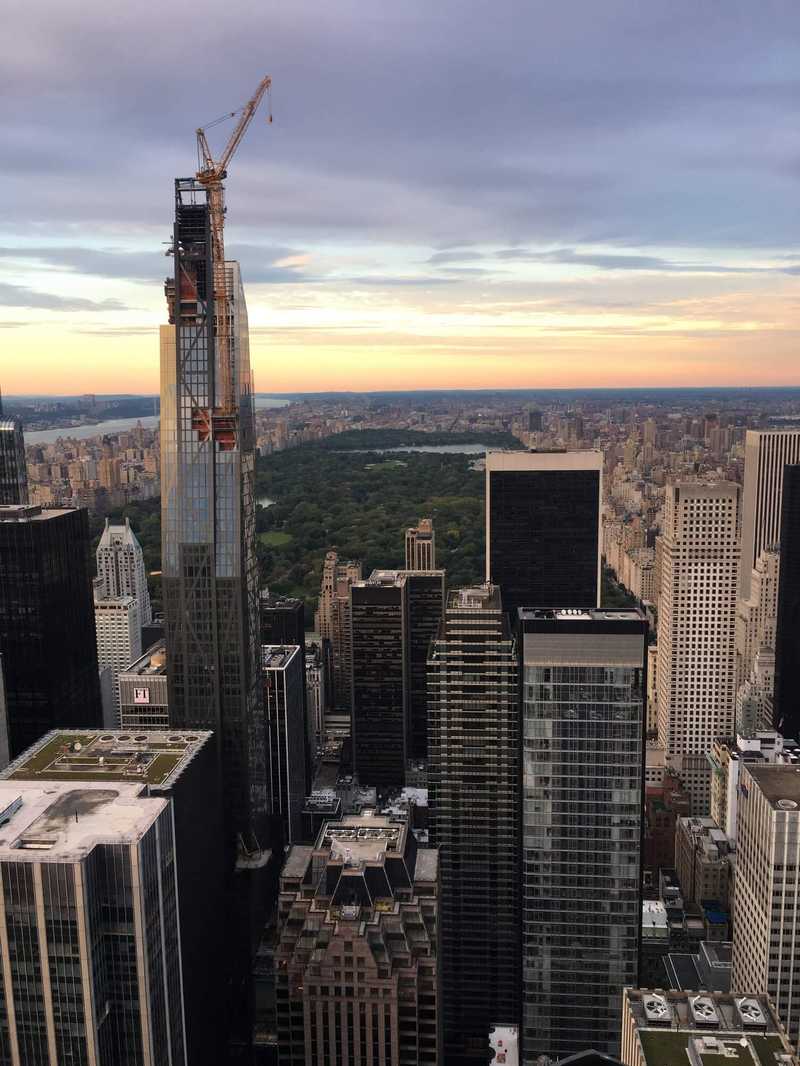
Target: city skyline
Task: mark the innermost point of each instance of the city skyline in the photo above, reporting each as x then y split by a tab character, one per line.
456	197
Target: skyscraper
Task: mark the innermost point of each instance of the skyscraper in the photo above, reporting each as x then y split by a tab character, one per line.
767	452
696	624
474	808
209	581
143	698
120	567
767	895
284	677
421	546
357	963
13	472
787	639
333	625
394	615
47	631
119	643
583	709
543	538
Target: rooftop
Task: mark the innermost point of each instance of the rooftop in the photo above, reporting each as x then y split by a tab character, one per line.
143	758
277	656
780	784
479	597
29	512
60	823
361	838
578	614
152	664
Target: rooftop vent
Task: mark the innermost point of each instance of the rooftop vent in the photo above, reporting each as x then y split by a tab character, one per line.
704	1012
657	1009
750	1013
787	805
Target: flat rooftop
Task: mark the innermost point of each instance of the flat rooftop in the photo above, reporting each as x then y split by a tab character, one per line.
147	757
145	666
30	512
779	783
277	656
361	838
579	614
477	598
56	822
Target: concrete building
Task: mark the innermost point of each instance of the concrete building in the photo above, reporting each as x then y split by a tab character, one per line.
670	1028
474	806
727	756
47	631
283	672
755	616
583	717
543	534
143	691
703	861
332	622
121	569
316	696
119	643
767	452
421	546
787	643
767	898
104	858
696	681
357	961
13	471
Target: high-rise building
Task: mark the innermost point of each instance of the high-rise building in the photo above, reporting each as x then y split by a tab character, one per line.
703	1028
121	569
696	625
787	638
282	619
583	714
393	614
767	895
543	536
209	567
474	810
13	472
755	617
421	546
357	964
333	625
283	672
47	632
535	421
767	452
119	643
116	819
143	696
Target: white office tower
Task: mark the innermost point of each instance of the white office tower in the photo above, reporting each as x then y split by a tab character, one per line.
696	676
119	643
767	451
766	911
120	566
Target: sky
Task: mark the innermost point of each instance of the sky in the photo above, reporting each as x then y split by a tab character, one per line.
458	193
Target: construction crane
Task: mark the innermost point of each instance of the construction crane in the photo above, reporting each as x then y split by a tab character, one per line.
210	175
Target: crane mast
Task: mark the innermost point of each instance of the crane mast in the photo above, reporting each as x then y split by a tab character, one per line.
210	175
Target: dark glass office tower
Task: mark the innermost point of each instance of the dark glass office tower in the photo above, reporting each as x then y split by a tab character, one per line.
543	527
282	620
378	619
787	631
283	670
13	472
583	707
209	581
47	634
425	598
474	806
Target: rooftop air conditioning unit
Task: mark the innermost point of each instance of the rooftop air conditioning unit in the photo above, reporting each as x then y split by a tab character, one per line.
750	1013
703	1011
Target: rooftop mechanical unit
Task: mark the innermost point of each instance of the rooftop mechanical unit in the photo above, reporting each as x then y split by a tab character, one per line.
750	1013
657	1009
704	1011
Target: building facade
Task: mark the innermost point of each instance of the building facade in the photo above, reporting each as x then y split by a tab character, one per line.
421	546
13	471
283	672
696	626
767	452
583	714
119	643
767	897
357	961
543	536
474	810
121	569
209	568
47	630
143	691
333	625
787	639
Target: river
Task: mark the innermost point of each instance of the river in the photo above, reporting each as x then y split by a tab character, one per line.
120	425
453	449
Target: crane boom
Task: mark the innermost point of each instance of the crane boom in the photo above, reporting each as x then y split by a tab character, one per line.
211	175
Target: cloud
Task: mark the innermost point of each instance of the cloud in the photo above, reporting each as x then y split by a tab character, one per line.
20	296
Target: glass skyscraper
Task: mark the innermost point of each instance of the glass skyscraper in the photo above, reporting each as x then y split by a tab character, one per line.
787	639
583	689
209	582
13	472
